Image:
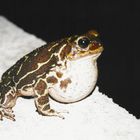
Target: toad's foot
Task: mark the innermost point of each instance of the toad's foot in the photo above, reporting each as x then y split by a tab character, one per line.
52	112
7	113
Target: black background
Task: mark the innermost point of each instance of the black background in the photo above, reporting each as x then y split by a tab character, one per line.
115	20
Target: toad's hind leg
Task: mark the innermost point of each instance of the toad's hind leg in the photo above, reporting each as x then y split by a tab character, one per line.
6	105
42	101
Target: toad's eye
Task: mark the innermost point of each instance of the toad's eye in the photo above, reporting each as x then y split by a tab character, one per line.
83	42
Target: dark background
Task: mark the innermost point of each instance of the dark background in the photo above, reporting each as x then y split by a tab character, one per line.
115	20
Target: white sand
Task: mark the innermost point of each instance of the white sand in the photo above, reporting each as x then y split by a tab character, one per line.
95	118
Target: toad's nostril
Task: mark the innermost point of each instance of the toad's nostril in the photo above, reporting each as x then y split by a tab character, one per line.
96	44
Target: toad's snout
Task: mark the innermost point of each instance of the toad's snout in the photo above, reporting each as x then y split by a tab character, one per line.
96	45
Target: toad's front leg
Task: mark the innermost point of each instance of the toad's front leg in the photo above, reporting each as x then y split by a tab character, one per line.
42	101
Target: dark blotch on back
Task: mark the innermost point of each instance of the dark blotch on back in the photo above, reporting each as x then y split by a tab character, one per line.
65	51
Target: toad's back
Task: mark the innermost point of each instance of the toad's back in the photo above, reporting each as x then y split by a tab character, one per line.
27	68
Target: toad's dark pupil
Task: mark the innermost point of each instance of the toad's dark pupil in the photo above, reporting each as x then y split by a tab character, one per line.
83	42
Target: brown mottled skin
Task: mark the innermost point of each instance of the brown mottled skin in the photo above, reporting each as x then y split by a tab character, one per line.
30	76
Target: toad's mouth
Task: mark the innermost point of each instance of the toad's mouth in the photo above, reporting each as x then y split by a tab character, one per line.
86	54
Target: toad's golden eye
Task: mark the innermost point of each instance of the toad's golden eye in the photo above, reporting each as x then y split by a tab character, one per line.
83	42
